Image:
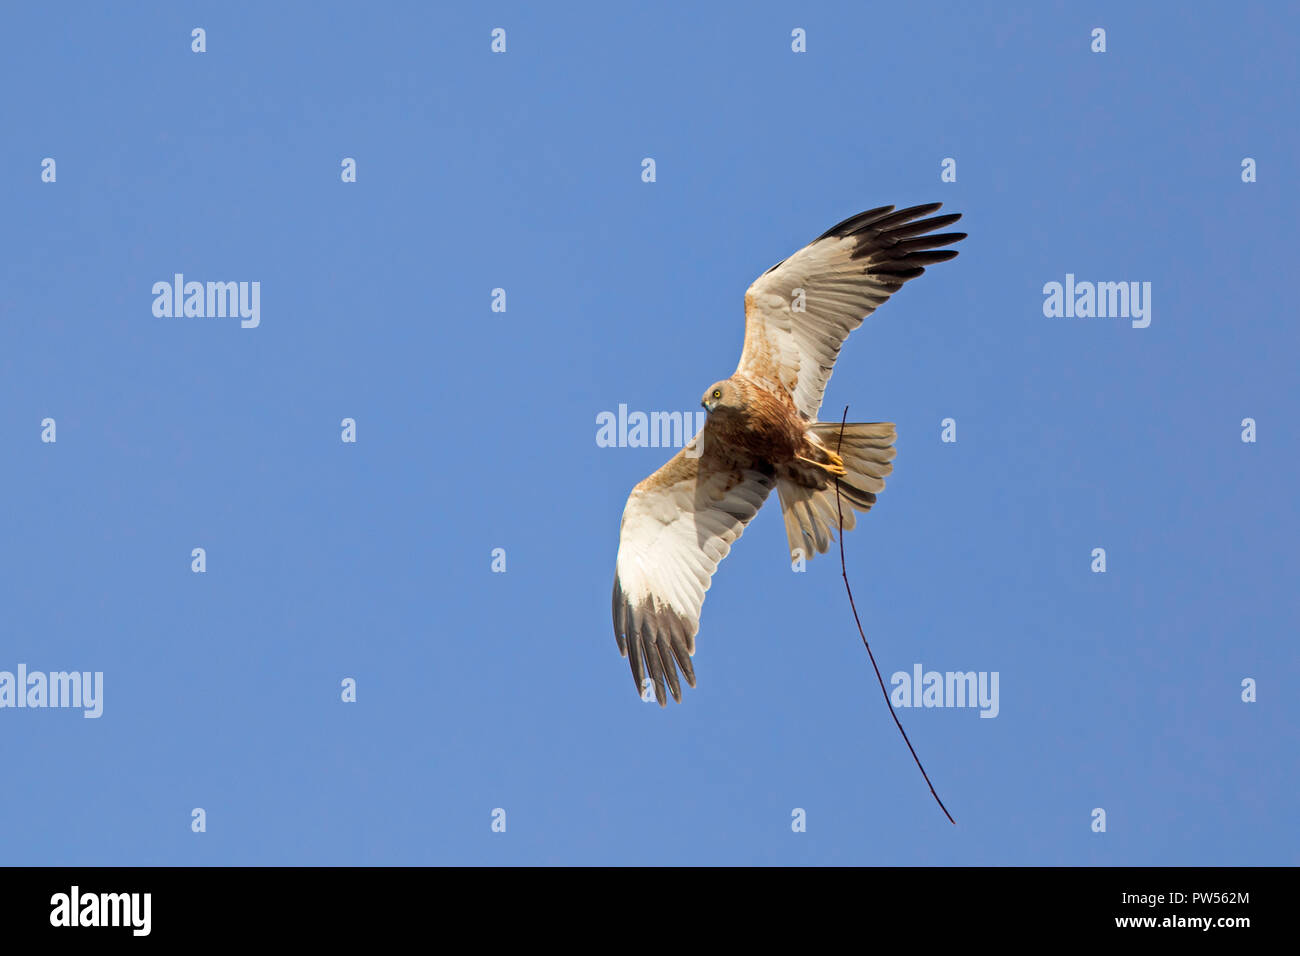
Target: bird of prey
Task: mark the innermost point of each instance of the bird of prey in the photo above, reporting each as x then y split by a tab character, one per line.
762	432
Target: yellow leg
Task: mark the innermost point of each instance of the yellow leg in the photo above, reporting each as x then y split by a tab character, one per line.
833	467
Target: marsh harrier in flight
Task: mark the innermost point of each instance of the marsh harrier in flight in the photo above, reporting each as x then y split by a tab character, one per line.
762	432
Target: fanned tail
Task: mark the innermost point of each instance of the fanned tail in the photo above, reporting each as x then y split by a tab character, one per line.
807	486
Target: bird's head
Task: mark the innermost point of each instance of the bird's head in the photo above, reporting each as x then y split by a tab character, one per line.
722	395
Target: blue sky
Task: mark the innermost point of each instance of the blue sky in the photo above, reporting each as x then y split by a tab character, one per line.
476	430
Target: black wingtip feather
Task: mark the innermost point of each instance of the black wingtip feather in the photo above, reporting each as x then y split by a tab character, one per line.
904	216
898	241
656	642
851	225
899	246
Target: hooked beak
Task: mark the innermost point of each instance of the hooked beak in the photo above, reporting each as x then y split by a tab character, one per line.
707	406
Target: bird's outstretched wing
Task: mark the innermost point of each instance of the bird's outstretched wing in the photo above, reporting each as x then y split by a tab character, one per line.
677	526
799	312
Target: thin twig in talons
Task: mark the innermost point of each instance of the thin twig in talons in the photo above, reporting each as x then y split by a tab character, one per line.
844	569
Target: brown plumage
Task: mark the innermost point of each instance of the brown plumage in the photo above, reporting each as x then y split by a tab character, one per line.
762	432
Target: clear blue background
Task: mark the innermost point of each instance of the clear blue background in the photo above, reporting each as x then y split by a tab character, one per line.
476	430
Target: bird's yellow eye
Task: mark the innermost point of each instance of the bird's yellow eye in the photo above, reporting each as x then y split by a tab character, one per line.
717	393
